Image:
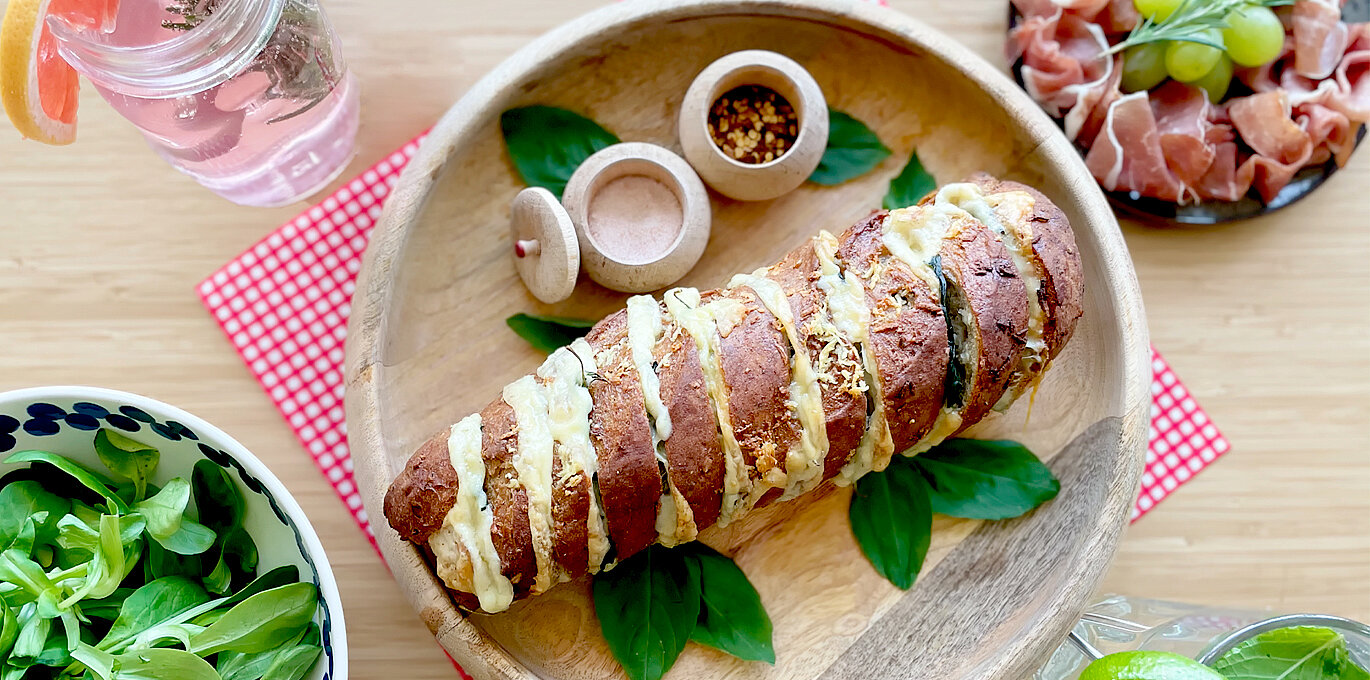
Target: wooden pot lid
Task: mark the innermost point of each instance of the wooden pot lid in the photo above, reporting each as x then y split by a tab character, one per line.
546	252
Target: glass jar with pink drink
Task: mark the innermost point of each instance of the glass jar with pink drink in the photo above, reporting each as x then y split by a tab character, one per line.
250	97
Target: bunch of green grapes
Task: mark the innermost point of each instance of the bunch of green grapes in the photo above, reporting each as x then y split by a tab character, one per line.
1253	36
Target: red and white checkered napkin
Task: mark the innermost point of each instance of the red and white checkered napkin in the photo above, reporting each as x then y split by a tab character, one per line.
284	305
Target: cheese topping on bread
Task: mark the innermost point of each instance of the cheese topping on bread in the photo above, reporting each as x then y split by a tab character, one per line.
533	462
463	548
846	303
803	467
568	405
1015	206
685	308
674	519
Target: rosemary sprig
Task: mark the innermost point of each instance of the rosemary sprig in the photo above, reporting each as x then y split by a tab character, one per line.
1192	22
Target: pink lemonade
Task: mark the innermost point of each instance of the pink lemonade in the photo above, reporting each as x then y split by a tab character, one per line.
250	97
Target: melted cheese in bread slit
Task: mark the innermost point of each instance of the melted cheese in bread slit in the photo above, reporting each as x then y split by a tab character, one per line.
568	405
915	235
804	467
1018	242
700	321
674	520
846	300
533	462
463	549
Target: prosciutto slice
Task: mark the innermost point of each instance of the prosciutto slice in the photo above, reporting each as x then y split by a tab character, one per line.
1266	125
1320	37
1182	128
1061	60
1126	155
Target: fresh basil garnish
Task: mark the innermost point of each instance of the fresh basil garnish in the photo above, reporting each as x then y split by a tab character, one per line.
1295	653
547	333
647	608
547	144
731	617
891	518
891	510
910	186
853	150
985	479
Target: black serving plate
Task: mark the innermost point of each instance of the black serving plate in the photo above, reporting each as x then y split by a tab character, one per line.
1156	211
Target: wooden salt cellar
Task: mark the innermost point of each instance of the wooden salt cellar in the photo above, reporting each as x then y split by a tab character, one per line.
754	181
654	162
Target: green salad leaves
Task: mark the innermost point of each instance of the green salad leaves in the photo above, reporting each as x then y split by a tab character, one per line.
1294	653
113	578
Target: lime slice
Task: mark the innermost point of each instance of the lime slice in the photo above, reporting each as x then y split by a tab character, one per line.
1145	665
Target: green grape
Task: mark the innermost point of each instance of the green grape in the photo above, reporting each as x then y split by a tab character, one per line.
1156	10
1189	61
1254	35
1143	67
1216	81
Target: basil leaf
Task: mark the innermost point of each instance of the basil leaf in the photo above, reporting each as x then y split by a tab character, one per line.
293	663
132	460
547	144
1295	653
77	472
982	479
892	521
548	333
910	186
152	605
647	608
260	622
162	663
24	499
731	617
853	150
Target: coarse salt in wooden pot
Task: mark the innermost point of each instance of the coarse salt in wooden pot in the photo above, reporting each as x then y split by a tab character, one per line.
428	344
739	179
641	215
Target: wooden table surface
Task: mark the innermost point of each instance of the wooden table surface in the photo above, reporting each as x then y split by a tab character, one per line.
1267	322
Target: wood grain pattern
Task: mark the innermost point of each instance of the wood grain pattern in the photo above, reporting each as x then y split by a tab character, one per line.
416	315
100	259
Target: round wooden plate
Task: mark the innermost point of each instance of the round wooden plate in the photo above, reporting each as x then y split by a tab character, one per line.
428	344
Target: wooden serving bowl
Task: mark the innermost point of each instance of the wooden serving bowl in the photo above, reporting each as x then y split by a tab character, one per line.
428	344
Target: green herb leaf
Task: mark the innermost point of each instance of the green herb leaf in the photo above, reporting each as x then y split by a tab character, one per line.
647	608
293	663
109	563
731	617
107	608
910	186
9	628
547	144
98	662
548	333
853	150
76	471
167	523
153	605
132	460
983	479
217	498
23	500
162	663
892	521
1295	653
260	622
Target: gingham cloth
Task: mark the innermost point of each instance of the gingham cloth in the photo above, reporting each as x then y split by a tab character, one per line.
284	305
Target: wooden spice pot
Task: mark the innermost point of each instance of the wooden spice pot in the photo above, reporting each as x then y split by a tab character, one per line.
754	181
641	215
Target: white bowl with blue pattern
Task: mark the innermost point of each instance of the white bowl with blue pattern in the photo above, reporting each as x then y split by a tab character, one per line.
63	420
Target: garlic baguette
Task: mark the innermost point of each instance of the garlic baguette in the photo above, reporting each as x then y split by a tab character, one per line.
908	327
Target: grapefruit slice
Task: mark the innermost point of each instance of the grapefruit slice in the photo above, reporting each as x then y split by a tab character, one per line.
38	88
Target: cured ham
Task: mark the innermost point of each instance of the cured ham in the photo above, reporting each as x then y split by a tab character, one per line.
1306	107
